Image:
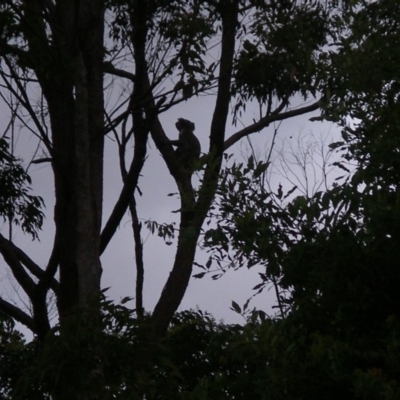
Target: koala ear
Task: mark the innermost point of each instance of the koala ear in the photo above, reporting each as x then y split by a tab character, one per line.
193	126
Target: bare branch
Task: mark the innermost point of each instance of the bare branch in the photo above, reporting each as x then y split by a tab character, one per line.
110	69
17	314
7	249
41	160
126	194
264	122
32	267
137	227
24	100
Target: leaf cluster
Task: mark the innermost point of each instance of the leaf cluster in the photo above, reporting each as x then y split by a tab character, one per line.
17	205
282	55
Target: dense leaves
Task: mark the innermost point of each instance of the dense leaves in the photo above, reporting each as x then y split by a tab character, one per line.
335	254
17	205
11	356
200	358
284	53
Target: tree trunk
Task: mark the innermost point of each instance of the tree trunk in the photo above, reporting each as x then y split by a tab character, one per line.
193	213
71	77
75	100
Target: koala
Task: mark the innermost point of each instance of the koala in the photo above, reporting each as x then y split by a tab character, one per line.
188	146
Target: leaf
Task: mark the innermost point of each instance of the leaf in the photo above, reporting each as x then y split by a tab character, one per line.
126	299
335	145
258	286
290	192
262	315
200	275
260	169
341	166
199	265
235	307
246	304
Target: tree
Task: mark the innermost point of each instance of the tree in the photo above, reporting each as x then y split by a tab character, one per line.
160	51
333	255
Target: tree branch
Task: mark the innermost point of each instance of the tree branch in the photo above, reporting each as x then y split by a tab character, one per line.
192	215
37	295
229	14
25	101
32	267
7	249
110	69
131	178
17	314
137	227
264	122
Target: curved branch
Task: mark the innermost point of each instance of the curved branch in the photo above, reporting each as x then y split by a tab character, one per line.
17	314
32	267
7	249
15	257
124	198
264	122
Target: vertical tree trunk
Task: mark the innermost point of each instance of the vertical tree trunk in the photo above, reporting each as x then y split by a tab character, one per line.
76	111
69	70
193	213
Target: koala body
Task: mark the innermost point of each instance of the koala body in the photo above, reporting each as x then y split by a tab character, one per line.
188	146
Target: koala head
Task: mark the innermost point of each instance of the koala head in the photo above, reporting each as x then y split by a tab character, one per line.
184	124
